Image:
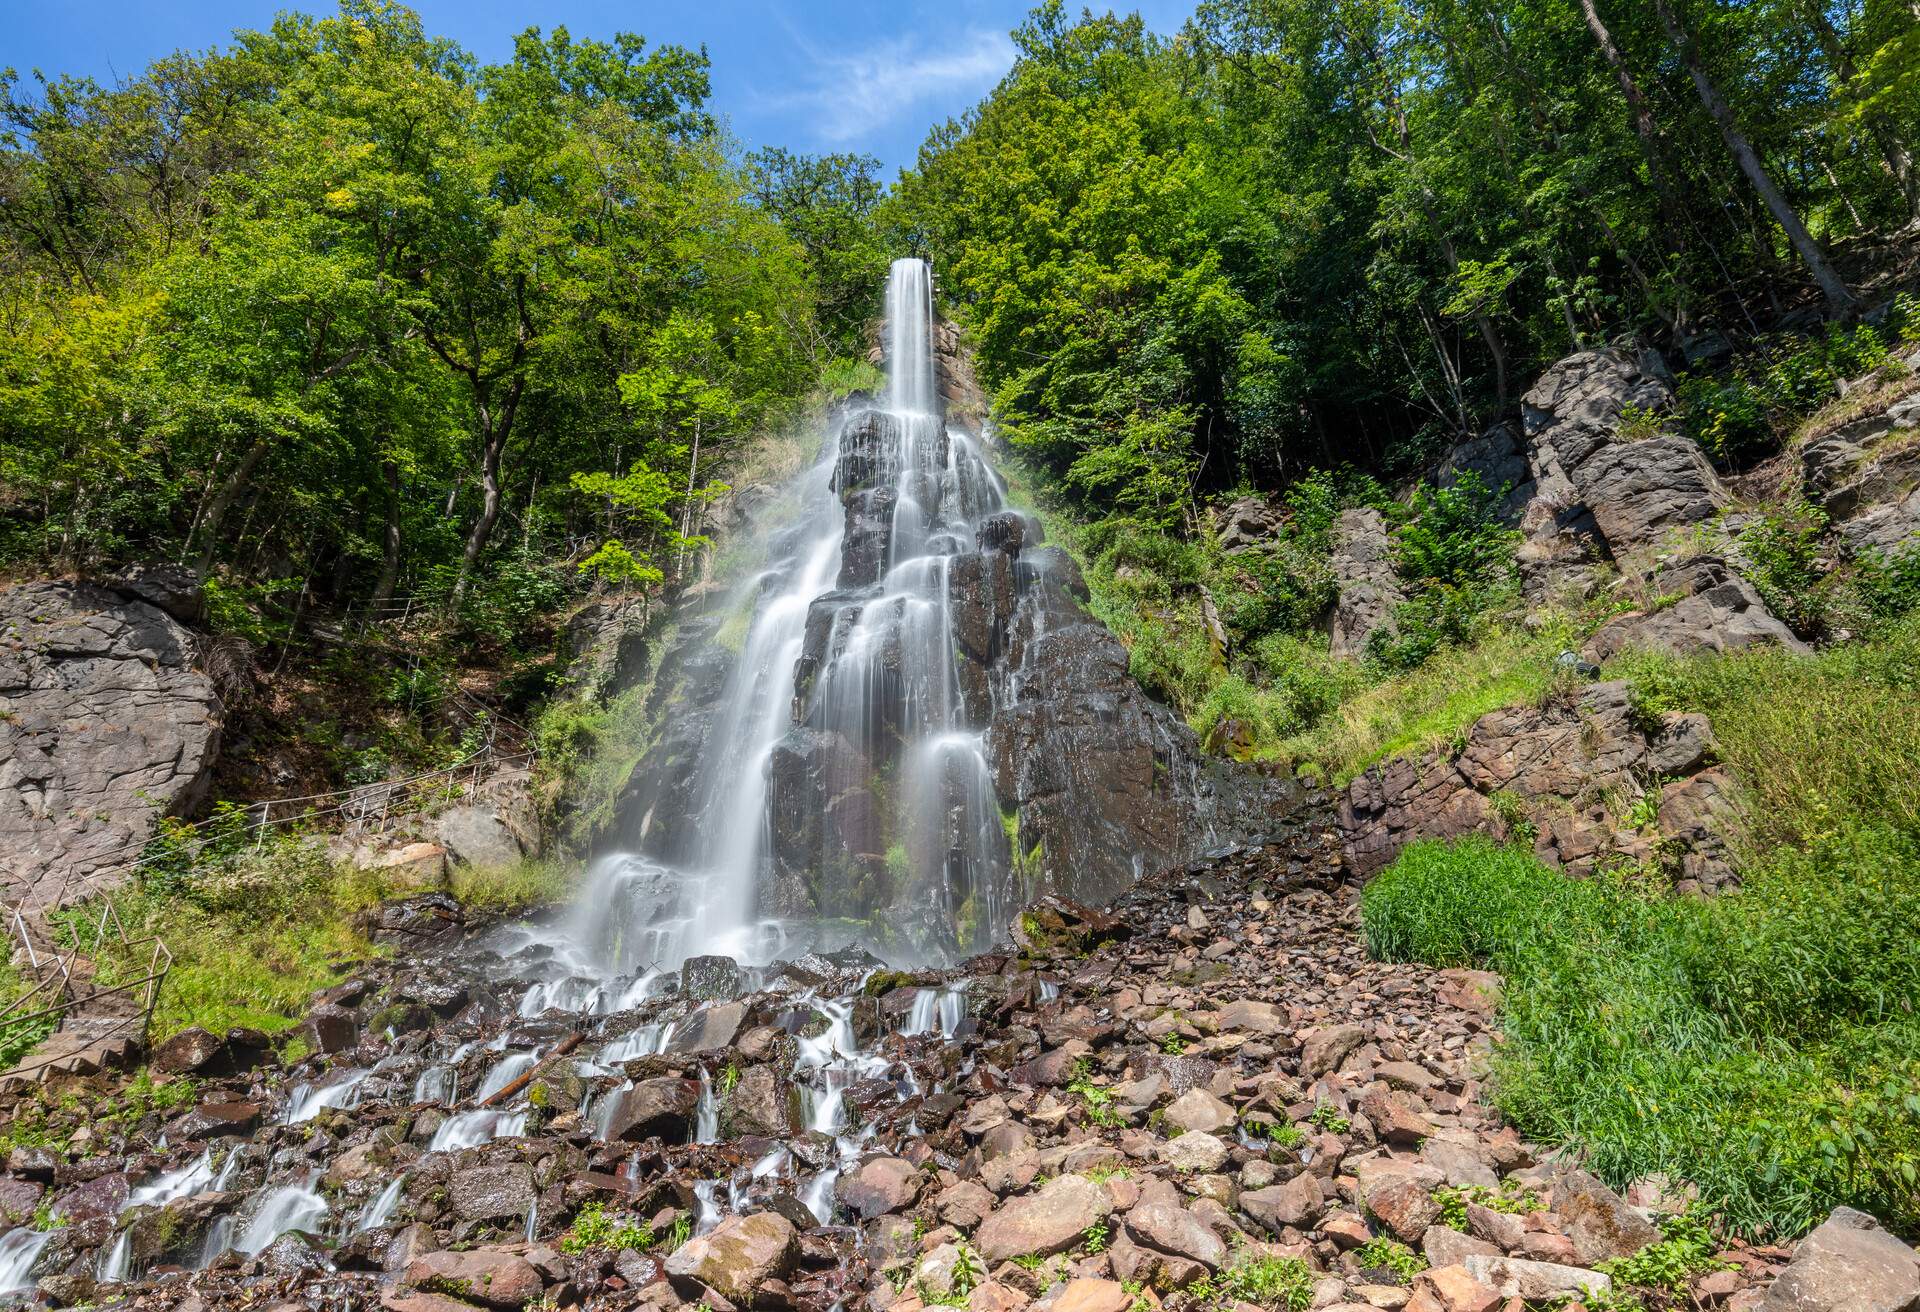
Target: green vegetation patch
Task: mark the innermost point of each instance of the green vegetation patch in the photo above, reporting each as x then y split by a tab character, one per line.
1762	1044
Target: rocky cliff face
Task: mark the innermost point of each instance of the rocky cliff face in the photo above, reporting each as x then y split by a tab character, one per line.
105	725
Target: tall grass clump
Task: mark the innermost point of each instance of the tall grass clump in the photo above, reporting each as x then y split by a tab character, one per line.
1763	1044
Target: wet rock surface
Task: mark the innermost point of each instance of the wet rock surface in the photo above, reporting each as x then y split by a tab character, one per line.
1213	1072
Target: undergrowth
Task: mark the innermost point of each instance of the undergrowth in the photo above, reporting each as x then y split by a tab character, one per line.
1762	1044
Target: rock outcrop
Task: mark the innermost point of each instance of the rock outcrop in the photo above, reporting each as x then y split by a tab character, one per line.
1362	561
105	726
1568	771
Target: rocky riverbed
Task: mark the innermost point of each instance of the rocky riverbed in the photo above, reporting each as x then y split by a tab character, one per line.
1205	1095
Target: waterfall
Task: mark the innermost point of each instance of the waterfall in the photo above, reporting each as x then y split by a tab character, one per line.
841	790
19	1250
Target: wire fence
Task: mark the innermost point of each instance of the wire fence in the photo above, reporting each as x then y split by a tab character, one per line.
60	987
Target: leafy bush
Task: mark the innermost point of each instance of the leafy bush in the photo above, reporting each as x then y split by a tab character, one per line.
1455	556
1762	1044
1888	587
1752	406
1779	552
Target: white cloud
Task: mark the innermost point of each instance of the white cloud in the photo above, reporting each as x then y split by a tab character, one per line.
852	94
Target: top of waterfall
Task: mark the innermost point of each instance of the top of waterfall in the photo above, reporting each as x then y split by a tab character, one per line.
910	388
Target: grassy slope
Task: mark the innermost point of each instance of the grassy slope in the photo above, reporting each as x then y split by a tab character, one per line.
1766	1044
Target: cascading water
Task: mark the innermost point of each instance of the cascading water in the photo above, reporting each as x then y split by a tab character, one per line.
842	785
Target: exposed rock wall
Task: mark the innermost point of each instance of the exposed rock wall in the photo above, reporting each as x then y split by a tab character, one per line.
105	725
1572	770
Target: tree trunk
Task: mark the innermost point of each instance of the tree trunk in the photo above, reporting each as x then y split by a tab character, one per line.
1642	113
686	511
482	527
390	542
222	502
1809	250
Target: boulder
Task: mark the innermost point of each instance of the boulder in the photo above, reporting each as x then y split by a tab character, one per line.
1195	1151
1362	564
491	1193
1091	1294
1322	1051
710	978
1705	606
1176	1232
1536	1282
709	1029
1848	1264
662	1107
1297	1203
484	1276
1598	1220
477	836
761	1102
879	1185
105	726
1248	523
1043	1223
736	1259
1197	1110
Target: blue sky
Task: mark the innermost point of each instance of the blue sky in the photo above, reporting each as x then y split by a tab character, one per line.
860	75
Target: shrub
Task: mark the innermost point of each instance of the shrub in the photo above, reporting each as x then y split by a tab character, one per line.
1888	587
1743	1043
1779	552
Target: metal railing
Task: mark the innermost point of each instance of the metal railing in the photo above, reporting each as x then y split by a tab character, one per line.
57	994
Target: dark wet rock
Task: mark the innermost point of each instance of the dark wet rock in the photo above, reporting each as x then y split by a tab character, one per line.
705	978
197	1051
215	1120
658	1108
760	1102
418	920
292	1254
102	1196
330	1028
491	1193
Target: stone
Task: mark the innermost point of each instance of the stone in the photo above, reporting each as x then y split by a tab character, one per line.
1848	1264
106	725
1641	493
662	1107
879	1185
1598	1220
477	836
1093	1295
737	1258
1515	1277
1706	606
1503	1230
1448	1247
1252	1016
1194	1151
1324	1049
709	1029
1247	523
1405	1205
215	1120
1199	1110
1361	559
1044	1223
331	1027
483	1276
1177	1232
190	1050
491	1193
1394	1118
963	1205
1455	1290
760	1102
1297	1203
710	978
